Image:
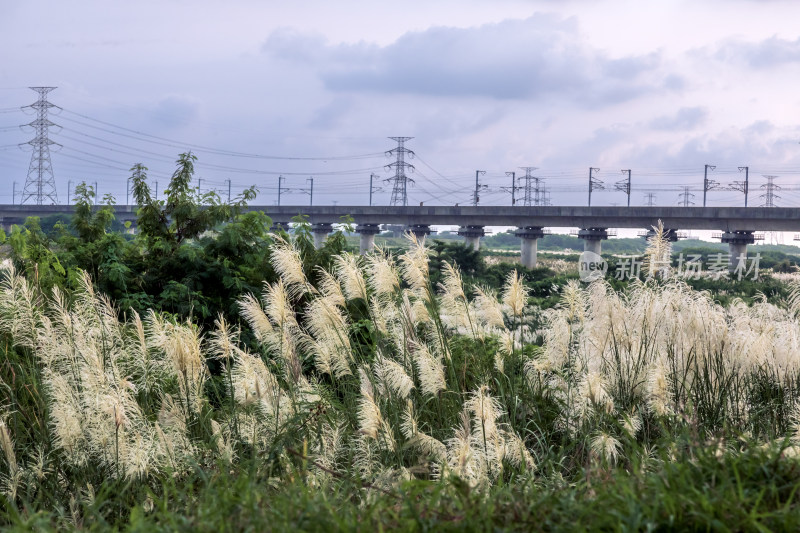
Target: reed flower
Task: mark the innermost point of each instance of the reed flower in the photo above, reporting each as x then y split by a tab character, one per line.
353	282
515	293
382	276
285	259
606	447
430	369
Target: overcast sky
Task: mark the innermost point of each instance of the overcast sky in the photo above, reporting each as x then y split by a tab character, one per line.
660	87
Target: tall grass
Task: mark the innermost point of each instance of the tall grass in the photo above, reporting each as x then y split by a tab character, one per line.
451	385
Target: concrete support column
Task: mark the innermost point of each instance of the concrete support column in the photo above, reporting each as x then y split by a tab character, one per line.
367	233
320	232
420	231
281	226
592	238
472	235
737	245
670	234
529	236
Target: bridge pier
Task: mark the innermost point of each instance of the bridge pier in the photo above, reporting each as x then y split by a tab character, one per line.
592	238
670	234
281	226
529	236
472	235
737	246
320	231
420	231
367	233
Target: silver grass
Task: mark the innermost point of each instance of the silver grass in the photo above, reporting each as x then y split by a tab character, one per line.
251	310
393	376
430	370
606	447
414	264
20	306
658	254
330	288
382	275
353	282
419	440
464	459
515	293
285	259
488	309
370	420
516	452
7	444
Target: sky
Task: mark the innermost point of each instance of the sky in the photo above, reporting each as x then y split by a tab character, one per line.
313	89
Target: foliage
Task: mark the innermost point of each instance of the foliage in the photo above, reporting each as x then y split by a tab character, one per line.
371	397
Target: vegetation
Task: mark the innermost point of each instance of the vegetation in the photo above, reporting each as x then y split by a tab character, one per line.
321	390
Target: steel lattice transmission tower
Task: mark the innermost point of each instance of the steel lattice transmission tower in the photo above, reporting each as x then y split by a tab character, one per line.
770	188
686	197
400	180
532	189
40	185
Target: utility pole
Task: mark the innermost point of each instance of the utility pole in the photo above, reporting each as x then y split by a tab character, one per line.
371	188
594	183
311	192
650	199
769	195
280	180
199	185
686	197
14	194
400	185
476	196
40	184
625	186
707	183
743	186
513	187
229	191
96	193
69	189
156	196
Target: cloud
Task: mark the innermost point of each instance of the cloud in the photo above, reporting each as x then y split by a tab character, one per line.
176	111
538	57
771	52
686	118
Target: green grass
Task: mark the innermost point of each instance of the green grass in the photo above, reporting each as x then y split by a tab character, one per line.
752	490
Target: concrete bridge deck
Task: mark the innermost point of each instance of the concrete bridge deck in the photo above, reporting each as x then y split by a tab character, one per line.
737	224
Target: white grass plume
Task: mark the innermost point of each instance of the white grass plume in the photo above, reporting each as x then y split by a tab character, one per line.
382	276
515	293
430	370
251	310
393	376
285	259
353	282
414	264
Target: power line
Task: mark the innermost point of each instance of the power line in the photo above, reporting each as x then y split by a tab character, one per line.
199	148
